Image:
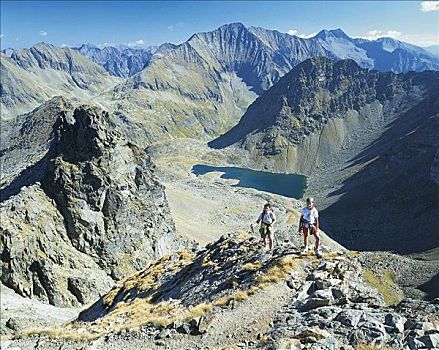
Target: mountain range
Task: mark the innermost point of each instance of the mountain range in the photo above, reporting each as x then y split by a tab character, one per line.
86	217
33	76
201	87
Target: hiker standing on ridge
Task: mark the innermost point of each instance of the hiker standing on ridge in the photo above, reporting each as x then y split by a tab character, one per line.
309	224
266	218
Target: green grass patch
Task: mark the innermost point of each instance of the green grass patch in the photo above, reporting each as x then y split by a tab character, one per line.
386	284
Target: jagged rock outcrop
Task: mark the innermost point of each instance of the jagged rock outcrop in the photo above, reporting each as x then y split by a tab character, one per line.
32	76
84	212
26	139
38	259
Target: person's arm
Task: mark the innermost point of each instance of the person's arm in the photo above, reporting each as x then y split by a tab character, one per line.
317	220
259	218
273	216
301	223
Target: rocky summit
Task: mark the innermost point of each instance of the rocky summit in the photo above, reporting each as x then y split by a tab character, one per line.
83	209
234	294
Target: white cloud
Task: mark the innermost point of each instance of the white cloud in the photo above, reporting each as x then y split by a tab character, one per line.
136	43
426	39
65	45
101	46
304	36
394	34
42	33
428	6
375	34
421	39
171	28
1	35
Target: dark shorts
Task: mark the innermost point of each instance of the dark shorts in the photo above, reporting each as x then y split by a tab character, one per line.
266	231
309	229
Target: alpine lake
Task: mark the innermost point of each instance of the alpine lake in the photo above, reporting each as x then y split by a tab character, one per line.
288	185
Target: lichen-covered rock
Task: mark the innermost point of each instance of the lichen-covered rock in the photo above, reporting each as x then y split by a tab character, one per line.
86	211
38	258
113	206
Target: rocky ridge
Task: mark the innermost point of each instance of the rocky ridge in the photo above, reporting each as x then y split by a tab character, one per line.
316	91
197	89
87	211
184	300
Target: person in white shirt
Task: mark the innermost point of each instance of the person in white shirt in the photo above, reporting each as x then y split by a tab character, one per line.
309	224
267	218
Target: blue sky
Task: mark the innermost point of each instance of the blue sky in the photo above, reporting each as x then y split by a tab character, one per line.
24	23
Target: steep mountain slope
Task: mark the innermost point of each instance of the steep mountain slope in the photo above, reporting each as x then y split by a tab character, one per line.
197	89
83	208
340	123
186	93
31	76
398	177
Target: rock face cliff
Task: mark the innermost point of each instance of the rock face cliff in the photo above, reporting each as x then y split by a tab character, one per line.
375	133
82	210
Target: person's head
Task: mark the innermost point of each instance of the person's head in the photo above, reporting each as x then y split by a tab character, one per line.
310	202
267	206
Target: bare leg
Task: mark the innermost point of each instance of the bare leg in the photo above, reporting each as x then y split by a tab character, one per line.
316	235
305	238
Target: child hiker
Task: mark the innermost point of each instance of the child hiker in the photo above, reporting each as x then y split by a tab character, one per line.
267	218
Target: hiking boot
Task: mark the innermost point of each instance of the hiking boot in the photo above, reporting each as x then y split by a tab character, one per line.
318	253
304	249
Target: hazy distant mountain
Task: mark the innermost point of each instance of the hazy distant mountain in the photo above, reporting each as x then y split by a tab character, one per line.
375	134
434	49
32	76
384	54
123	61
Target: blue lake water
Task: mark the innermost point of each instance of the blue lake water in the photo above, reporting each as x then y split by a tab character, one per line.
288	185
